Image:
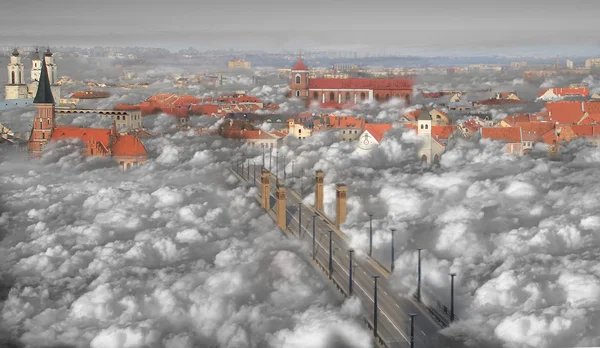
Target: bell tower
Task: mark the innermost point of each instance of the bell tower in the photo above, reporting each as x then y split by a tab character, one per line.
16	87
299	81
36	66
44	119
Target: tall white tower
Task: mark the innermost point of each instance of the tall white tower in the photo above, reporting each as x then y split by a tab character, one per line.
36	66
52	77
16	87
424	131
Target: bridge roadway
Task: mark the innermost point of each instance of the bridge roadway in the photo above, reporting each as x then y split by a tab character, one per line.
393	319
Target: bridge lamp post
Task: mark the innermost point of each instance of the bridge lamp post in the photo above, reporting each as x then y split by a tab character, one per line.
375	306
370	234
248	176
330	254
299	219
283	167
313	236
452	275
263	162
350	280
393	256
412	329
419	275
254	173
270	155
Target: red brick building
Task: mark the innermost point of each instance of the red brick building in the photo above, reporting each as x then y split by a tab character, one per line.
338	93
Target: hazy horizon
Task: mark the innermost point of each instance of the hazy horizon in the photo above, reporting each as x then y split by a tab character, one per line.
462	27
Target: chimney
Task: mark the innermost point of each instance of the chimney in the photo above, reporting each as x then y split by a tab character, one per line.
280	207
265	196
340	204
319	178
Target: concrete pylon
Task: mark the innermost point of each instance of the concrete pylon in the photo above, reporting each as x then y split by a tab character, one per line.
319	178
280	207
265	195
340	204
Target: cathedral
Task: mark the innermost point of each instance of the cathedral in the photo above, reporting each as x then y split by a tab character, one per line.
341	93
16	88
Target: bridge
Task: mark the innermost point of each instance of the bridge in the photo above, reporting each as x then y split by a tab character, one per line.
386	314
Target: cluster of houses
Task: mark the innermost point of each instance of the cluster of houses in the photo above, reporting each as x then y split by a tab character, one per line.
183	106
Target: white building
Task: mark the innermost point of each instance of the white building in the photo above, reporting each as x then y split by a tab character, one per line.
434	138
16	87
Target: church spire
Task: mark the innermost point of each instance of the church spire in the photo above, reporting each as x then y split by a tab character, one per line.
44	93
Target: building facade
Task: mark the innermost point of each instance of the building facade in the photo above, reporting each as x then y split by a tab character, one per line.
239	64
16	88
127	150
337	93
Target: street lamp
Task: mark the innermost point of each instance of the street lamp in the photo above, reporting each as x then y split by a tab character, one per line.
375	306
412	329
299	219
370	234
419	275
254	172
350	280
248	176
313	236
270	155
330	255
283	167
452	275
393	257
263	162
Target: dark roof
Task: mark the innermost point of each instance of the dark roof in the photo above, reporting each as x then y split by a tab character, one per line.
15	52
425	115
44	93
48	53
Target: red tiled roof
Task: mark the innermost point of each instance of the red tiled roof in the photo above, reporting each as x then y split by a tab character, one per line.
442	132
495	101
128	145
85	134
299	65
565	112
507	134
563	92
360	83
534	131
590	119
586	131
377	130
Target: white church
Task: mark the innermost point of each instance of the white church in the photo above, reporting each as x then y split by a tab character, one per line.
16	88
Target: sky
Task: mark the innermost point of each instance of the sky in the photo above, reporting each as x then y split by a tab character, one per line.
433	27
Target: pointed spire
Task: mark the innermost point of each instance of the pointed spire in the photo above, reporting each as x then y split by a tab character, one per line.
44	93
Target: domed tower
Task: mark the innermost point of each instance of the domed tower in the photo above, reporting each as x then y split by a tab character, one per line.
16	87
299	81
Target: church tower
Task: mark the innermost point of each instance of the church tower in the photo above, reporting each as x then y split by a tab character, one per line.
52	74
16	87
36	66
44	119
424	124
299	81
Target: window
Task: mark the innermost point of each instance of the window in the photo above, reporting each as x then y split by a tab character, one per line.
363	96
118	118
299	131
387	97
421	126
12	74
43	135
48	121
331	96
298	79
297	93
343	132
407	99
316	96
426	126
377	97
347	97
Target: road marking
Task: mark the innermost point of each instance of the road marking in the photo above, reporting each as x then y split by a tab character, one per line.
423	333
